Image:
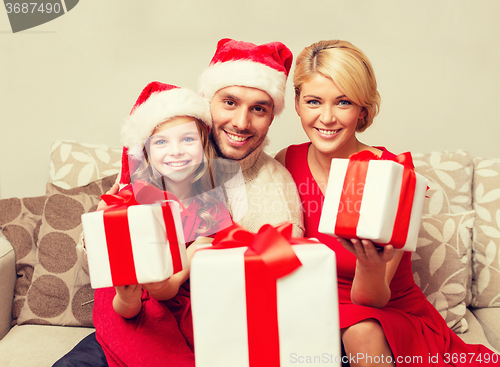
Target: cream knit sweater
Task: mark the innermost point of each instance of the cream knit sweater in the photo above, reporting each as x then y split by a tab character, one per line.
269	196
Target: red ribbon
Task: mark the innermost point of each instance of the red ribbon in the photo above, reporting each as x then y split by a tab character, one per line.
116	229
353	189
269	257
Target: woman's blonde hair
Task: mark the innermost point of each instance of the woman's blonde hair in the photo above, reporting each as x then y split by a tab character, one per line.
203	179
350	70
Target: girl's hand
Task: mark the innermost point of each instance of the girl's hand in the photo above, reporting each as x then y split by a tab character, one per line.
113	190
127	302
168	288
155	287
129	293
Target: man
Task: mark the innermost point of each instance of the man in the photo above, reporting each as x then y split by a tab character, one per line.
245	84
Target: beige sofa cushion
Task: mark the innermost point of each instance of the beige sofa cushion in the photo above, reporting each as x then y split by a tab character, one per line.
38	345
60	293
486	245
449	175
441	263
450	180
58	282
20	221
75	164
489	318
476	334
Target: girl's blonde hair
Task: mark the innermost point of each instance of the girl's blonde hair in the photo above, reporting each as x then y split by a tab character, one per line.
203	179
350	70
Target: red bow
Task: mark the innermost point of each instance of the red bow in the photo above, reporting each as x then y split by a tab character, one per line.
271	244
365	155
141	192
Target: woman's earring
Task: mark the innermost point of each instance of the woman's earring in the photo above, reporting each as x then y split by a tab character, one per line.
361	124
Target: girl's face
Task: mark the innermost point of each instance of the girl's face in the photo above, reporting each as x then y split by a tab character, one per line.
175	149
328	117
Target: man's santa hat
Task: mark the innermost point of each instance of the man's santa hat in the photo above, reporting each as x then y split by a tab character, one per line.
238	63
157	103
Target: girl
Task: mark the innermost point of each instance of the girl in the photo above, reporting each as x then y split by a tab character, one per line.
383	313
165	144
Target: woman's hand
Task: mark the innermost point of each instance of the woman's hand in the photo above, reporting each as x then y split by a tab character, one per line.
127	302
367	253
371	281
113	190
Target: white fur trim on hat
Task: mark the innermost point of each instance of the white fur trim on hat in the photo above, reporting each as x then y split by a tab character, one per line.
244	73
159	107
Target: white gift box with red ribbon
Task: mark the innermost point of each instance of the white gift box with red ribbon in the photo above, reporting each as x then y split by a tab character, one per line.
137	244
241	317
370	198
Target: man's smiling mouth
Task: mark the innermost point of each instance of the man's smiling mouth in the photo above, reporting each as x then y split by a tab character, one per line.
236	137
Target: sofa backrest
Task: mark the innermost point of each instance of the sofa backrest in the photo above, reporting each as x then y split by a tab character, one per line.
457	262
460	234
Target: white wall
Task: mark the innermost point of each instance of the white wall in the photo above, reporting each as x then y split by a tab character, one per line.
437	63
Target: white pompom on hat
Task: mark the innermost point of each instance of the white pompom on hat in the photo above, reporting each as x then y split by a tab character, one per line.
236	63
157	103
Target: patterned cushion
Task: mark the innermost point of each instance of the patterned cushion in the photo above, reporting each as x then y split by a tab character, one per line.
486	245
450	186
75	164
20	221
60	293
441	264
450	180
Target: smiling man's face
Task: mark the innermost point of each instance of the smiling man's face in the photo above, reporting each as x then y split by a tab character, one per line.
241	118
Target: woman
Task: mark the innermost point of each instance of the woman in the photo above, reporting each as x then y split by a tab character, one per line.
384	316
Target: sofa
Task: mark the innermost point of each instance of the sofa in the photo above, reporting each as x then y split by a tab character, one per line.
46	298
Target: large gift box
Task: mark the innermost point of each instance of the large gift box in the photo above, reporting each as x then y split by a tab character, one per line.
370	198
259	301
128	243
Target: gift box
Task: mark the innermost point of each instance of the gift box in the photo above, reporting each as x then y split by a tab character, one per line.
257	300
370	198
128	243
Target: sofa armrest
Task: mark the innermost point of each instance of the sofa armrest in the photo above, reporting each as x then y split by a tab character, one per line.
7	283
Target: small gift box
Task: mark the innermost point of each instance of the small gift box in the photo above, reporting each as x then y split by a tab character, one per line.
258	301
370	198
128	243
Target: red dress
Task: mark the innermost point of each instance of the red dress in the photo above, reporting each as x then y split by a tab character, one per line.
414	329
162	333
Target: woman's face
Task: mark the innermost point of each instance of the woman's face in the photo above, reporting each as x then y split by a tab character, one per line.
328	117
175	149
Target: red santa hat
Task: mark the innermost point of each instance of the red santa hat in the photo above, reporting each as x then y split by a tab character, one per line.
157	103
238	63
